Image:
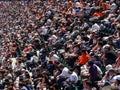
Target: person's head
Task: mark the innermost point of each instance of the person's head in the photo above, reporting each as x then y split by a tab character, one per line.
88	85
107	48
61	66
96	58
50	62
100	44
84	83
90	63
51	53
44	73
108	67
118	81
27	75
84	51
111	72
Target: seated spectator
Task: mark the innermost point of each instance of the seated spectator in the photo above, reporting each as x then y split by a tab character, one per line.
72	80
63	76
84	58
109	55
88	85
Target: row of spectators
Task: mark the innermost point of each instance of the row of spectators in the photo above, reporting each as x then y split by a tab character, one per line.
60	45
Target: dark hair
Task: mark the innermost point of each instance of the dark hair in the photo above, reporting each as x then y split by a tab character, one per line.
83	50
27	75
118	82
50	62
90	63
60	66
89	83
97	57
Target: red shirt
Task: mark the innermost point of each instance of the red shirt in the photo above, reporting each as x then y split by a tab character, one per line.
84	58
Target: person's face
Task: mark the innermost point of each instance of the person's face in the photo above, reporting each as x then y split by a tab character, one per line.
95	58
111	73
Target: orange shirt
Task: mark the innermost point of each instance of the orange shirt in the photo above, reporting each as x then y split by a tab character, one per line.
105	6
99	14
83	59
96	14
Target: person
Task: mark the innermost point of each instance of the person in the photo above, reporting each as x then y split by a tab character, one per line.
97	61
72	80
110	55
88	85
28	27
50	67
63	76
118	82
84	58
53	56
118	60
94	74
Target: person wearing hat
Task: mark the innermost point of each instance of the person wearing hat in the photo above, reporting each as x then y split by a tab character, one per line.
109	77
118	82
109	55
112	86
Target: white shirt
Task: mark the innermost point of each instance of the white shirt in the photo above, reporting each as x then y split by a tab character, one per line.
53	38
54	57
95	27
24	88
74	77
13	62
65	72
115	77
44	30
111	79
113	6
34	58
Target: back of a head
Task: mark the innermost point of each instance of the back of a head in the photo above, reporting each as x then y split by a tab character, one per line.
60	65
88	83
90	63
83	50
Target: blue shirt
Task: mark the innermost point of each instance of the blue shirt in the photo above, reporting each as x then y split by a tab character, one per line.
93	73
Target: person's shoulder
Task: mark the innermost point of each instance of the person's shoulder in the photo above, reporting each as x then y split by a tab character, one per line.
74	74
87	55
65	69
24	88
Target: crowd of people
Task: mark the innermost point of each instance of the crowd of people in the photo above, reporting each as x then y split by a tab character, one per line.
60	45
